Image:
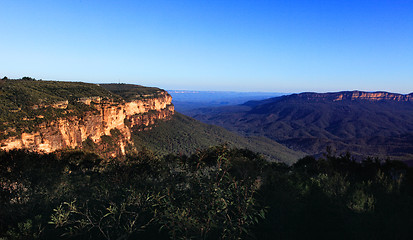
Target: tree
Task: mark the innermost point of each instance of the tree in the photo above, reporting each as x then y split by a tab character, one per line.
2	82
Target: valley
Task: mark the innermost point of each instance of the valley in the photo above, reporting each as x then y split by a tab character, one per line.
364	124
186	100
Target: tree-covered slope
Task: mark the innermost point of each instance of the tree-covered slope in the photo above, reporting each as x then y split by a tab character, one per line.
132	91
28	92
25	103
185	135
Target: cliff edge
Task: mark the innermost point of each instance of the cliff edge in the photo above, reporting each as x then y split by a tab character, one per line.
45	116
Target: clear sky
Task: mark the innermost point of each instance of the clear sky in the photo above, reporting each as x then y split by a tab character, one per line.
278	46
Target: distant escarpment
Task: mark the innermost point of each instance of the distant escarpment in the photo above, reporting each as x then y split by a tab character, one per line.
45	116
353	96
362	123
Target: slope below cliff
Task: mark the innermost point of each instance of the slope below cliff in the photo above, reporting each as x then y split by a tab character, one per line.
45	116
185	135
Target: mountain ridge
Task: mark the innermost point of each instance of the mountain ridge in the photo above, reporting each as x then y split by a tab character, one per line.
312	121
356	95
341	96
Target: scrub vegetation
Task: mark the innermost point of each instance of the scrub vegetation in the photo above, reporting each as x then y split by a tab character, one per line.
26	102
216	193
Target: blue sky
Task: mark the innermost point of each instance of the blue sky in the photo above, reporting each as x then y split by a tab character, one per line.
278	46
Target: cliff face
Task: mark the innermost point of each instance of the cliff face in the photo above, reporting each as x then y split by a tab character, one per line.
355	96
110	118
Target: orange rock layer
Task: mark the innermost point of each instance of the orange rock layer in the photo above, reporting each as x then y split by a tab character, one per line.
72	131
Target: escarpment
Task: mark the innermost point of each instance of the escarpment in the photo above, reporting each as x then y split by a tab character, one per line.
105	122
353	96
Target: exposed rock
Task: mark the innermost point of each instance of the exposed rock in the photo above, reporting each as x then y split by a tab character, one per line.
72	131
57	105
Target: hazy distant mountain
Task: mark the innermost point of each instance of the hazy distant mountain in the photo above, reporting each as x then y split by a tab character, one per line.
185	100
363	123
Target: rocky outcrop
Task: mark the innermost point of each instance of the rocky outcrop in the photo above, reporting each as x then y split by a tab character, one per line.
109	115
57	105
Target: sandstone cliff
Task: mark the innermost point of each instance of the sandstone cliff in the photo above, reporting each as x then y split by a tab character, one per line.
111	118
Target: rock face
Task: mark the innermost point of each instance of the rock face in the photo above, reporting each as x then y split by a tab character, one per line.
109	118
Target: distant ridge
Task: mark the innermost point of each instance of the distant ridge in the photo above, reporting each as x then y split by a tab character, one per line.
353	96
379	96
363	123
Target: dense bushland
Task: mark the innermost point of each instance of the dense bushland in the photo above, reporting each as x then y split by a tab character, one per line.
182	134
25	103
215	193
130	92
